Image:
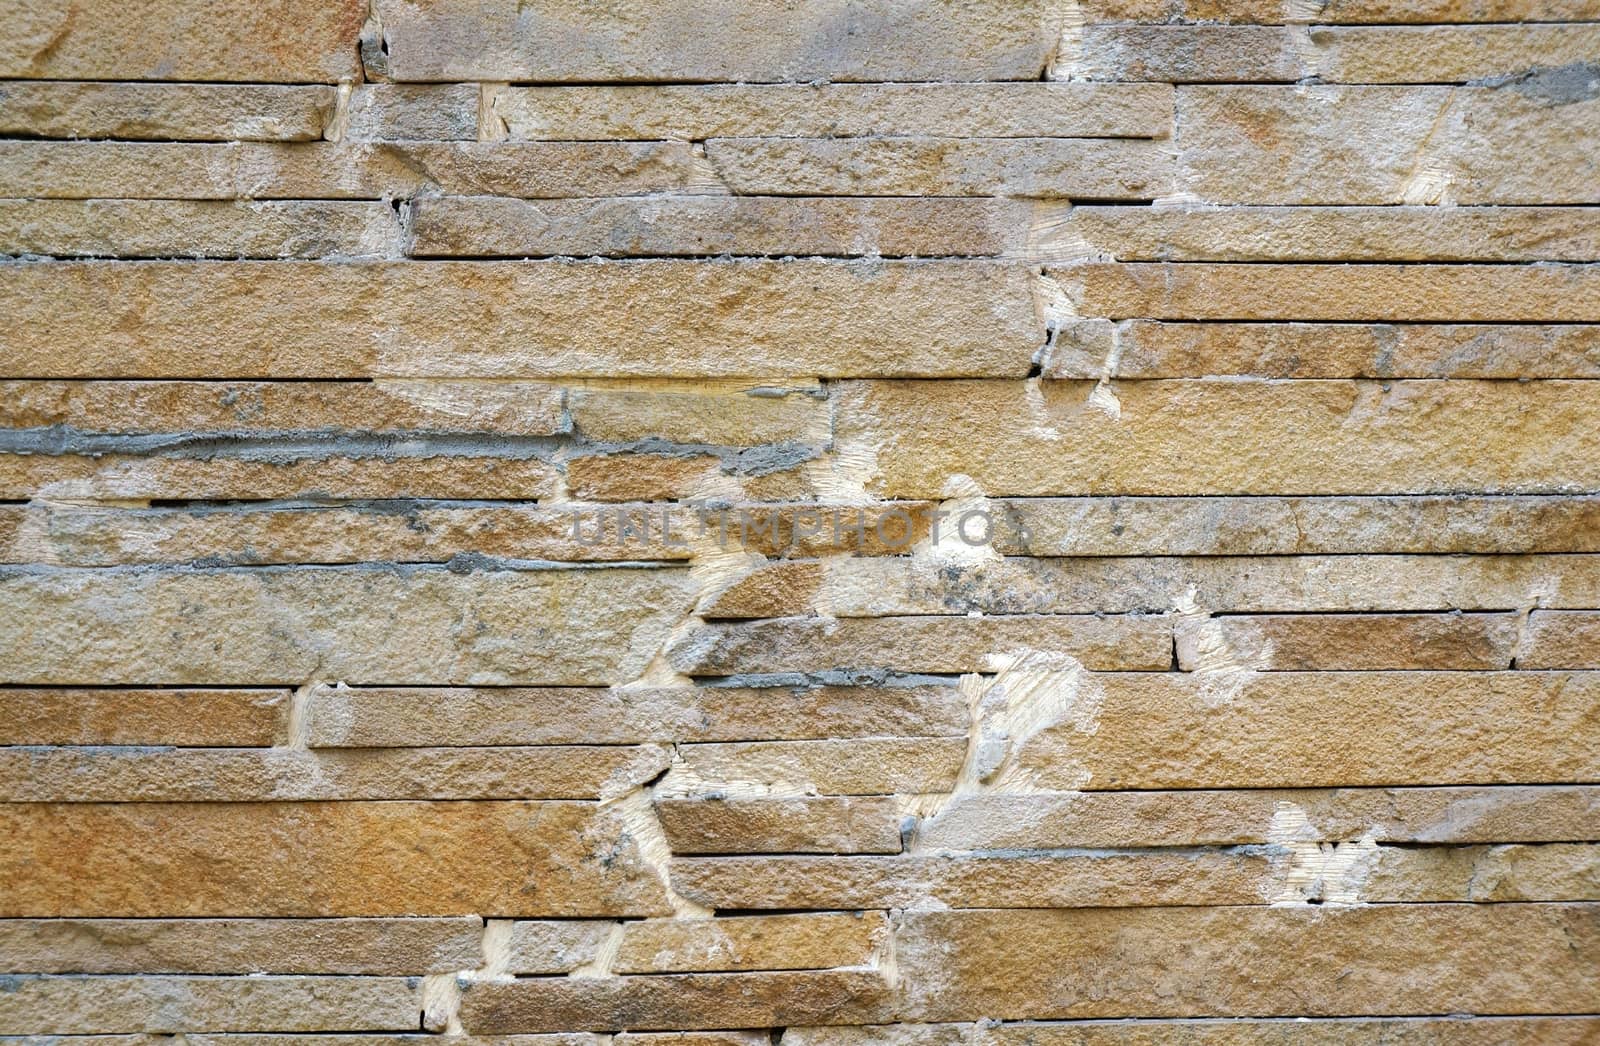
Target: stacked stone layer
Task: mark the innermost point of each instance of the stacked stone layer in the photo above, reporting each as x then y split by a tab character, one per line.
717	523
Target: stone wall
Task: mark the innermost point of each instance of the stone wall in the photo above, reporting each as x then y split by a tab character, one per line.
728	522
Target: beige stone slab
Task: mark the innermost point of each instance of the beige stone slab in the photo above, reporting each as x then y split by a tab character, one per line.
254	946
87	1005
555	945
920	644
1257	961
519	319
346	170
1460	815
229	40
1102	168
1153	349
323	408
1223	438
480	226
859	766
695	112
561	41
266	475
1233	729
814	824
1454	53
1196	586
359	717
360	624
411	112
211	718
1528	142
94	775
176	112
763	942
1277	525
685	1000
1483	874
1384	293
200	228
728	413
1313	234
143	860
1561	639
1011	881
1356	642
1359	1031
1186	54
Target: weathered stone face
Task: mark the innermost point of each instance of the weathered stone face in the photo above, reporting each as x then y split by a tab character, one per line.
820	523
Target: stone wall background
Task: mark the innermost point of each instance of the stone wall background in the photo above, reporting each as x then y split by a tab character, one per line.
1255	341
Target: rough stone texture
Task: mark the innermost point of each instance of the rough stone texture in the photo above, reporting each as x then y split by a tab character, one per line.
195	859
174	112
359	624
218	946
689	40
1389	145
1151	349
818	110
292	40
1259	961
211	718
709	523
533	319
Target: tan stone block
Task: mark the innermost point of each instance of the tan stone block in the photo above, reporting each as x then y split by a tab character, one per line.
1103	168
1236	729
63	534
1478	874
87	1005
694	1038
255	946
1277	525
1359	1031
773	473
181	112
1411	815
215	718
762	942
1311	234
282	474
1256	961
685	1000
347	171
79	775
1362	11
872	587
200	228
919	644
1202	438
1561	639
359	624
141	860
520	319
729	413
1150	349
412	112
1347	642
557	41
860	766
323	408
555	946
407	1039
360	717
813	824
1399	293
1452	53
229	40
695	112
1187	54
990	881
480	226
1531	141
